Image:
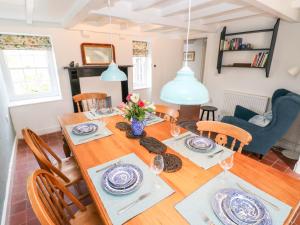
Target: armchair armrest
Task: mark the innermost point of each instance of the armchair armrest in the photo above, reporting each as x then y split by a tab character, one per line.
250	127
243	113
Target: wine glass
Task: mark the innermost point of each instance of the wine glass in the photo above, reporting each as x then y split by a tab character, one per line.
175	130
226	163
94	107
157	166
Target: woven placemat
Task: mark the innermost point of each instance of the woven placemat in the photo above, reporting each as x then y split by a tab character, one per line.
129	134
172	163
153	145
123	126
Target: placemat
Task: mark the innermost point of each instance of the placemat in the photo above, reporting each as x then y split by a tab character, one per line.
100	133
199	201
154	119
201	159
93	116
113	203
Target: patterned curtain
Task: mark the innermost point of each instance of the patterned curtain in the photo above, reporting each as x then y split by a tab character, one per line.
23	42
140	48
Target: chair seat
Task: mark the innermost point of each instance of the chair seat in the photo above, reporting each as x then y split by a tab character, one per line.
88	217
70	168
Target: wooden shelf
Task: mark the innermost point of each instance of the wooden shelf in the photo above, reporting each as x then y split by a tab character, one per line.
250	32
244	50
268	63
248	67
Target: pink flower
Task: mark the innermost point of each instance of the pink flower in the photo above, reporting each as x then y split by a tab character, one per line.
141	104
128	97
122	106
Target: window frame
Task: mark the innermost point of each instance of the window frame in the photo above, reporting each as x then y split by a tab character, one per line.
55	92
148	84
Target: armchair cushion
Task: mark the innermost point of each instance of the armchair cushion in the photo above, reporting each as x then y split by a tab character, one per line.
243	113
259	120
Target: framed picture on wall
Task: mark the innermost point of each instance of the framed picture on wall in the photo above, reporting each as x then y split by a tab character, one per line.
97	54
189	56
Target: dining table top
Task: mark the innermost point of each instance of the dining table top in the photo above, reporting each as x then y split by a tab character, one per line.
184	182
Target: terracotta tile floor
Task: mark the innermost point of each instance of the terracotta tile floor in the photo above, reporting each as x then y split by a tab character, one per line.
20	211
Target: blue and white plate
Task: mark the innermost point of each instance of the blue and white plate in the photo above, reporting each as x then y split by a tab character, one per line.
233	207
85	129
121	176
200	144
130	182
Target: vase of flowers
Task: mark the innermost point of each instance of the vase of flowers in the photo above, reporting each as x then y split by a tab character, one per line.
135	111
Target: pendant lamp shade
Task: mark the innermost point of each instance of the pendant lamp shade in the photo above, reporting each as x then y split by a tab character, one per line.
185	89
113	73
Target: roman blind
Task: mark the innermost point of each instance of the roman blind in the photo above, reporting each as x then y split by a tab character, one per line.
24	42
140	48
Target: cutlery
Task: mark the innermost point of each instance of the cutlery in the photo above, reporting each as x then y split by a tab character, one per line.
106	167
180	138
206	219
92	136
125	208
250	192
93	114
216	153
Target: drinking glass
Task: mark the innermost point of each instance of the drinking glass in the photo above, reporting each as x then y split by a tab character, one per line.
226	163
157	166
175	130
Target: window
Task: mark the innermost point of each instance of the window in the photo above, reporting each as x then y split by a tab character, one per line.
141	65
28	67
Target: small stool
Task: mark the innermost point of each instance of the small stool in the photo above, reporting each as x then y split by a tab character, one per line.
208	109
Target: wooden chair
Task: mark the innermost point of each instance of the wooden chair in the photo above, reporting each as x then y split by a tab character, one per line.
65	169
223	130
167	113
84	100
48	195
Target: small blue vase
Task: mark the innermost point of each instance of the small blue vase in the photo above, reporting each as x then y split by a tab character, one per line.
137	127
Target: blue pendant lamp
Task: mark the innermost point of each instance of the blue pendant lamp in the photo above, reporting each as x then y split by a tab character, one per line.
185	89
112	73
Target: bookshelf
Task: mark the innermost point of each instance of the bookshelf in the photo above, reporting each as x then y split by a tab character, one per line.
269	49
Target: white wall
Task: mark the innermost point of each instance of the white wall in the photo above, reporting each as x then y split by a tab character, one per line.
198	46
254	81
166	53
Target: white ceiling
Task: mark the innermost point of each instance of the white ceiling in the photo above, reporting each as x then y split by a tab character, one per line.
160	16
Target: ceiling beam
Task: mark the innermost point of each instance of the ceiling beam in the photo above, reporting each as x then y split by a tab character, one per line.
295	4
216	10
124	12
144	4
233	16
183	5
80	11
277	8
29	4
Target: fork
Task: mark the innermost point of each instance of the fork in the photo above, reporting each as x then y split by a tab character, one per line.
250	192
92	136
206	219
106	167
216	153
180	138
125	208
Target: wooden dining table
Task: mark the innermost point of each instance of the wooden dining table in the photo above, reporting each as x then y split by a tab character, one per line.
185	181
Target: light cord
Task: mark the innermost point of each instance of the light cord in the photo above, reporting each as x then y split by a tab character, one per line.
188	33
110	34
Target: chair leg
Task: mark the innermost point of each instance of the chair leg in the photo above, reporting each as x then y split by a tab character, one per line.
207	115
77	188
261	156
213	112
202	113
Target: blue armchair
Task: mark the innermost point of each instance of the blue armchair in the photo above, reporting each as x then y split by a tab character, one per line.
285	109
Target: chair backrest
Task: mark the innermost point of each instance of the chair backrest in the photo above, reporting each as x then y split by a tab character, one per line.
223	131
46	195
167	113
84	100
41	150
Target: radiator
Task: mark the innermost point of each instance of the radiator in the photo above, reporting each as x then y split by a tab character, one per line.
255	103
